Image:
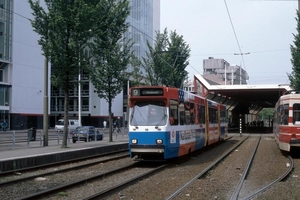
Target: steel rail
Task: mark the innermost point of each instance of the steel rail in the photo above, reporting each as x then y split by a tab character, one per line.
60	162
41	194
62	170
120	186
284	175
243	177
205	170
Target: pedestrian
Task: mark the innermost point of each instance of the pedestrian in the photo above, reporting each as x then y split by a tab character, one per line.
114	126
4	126
104	124
118	127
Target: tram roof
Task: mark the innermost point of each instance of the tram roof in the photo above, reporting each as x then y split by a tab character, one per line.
252	98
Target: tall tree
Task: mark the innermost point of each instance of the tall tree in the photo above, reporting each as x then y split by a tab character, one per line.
294	77
111	51
64	29
166	61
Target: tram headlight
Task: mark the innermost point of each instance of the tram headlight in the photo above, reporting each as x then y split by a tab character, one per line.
134	141
159	141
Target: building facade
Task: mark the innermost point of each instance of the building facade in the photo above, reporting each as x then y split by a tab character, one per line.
22	69
220	71
5	61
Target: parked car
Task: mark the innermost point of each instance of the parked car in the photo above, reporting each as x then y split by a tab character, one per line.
86	133
72	124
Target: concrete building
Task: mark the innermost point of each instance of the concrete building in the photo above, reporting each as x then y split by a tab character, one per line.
221	72
22	69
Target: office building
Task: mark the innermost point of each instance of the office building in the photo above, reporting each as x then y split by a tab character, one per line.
221	72
22	69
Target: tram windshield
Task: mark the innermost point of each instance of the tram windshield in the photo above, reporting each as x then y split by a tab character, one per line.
149	114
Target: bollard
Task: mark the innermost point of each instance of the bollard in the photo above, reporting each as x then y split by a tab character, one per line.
240	126
41	138
14	140
96	133
87	136
58	133
28	141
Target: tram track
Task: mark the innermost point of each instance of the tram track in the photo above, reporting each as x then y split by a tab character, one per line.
18	177
236	194
203	172
207	176
154	180
137	172
65	162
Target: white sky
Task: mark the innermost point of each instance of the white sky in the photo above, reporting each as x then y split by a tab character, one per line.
263	28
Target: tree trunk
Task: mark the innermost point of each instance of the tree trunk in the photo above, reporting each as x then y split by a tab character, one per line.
66	119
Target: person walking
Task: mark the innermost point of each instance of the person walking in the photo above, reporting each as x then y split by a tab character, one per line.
114	126
4	125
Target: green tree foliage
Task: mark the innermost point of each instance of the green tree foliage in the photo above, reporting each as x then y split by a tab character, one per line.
111	52
64	29
294	77
266	113
136	75
166	61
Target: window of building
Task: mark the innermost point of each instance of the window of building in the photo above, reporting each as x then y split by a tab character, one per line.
1	75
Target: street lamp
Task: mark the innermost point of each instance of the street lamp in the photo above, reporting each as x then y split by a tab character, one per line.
241	54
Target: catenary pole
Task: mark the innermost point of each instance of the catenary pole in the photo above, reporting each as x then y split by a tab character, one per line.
45	127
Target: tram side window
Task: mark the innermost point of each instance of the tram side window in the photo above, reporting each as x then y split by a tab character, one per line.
278	115
181	114
192	113
213	115
223	116
201	114
285	114
173	112
187	113
296	113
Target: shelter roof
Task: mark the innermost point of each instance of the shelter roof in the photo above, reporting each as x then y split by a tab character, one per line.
251	97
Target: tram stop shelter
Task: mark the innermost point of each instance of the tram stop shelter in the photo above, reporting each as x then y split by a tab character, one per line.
242	101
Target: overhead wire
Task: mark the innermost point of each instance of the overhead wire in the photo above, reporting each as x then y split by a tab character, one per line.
235	35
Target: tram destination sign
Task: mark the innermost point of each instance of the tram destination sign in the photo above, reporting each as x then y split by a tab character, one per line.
147	92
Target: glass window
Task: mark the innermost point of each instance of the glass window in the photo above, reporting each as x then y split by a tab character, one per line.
173	110
1	75
285	114
223	116
4	96
213	115
201	114
149	114
296	114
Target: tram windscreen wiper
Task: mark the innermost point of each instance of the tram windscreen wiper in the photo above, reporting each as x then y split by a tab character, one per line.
162	121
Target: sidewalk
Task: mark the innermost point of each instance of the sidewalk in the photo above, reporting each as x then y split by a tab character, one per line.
35	155
7	142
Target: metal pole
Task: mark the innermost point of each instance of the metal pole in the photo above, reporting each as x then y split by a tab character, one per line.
240	125
79	98
225	73
45	127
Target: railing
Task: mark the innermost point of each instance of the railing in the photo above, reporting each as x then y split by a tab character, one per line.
28	139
